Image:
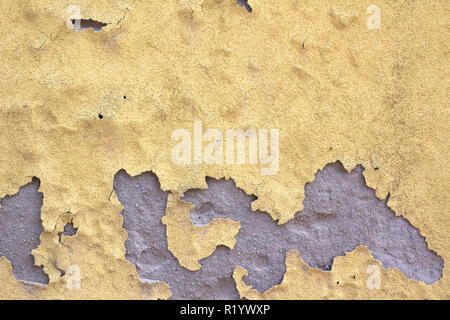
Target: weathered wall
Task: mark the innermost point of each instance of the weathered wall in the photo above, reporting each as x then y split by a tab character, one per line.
79	106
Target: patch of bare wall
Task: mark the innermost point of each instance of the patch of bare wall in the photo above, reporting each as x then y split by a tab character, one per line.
84	24
20	228
340	212
244	3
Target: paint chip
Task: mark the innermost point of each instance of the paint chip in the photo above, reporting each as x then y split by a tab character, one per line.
20	229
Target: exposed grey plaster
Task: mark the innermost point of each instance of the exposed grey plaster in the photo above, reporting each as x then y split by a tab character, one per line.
69	231
20	228
340	212
83	24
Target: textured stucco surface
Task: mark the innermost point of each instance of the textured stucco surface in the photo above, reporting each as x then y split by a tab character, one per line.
335	89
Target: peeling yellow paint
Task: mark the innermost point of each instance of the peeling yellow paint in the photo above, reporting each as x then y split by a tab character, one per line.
334	88
347	280
202	240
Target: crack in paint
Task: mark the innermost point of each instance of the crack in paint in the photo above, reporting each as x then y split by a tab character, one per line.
20	228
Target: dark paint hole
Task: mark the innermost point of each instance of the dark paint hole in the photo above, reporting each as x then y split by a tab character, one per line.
100	116
244	3
124	97
69	230
88	23
376	168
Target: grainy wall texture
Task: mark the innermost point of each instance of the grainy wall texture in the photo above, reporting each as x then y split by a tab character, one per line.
116	178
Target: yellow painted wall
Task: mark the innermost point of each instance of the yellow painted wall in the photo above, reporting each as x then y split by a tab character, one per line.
336	89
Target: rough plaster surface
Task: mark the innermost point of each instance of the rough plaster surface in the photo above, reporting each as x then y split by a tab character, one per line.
340	212
20	228
336	89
